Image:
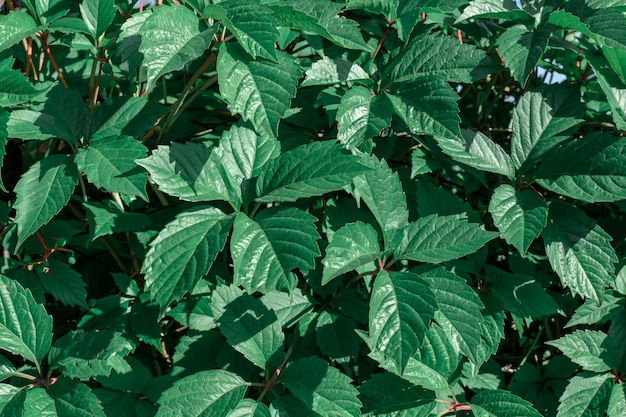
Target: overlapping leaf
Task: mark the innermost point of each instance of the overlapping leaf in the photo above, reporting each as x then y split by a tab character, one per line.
328	71
542	120
268	247
15	88
308	170
437	239
97	15
105	220
109	163
14	27
251	23
321	387
613	87
361	116
249	326
519	215
459	309
579	251
322	18
42	192
498	403
388	394
585	395
183	252
382	192
25	326
585	348
401	308
521	49
261	91
214	393
478	151
170	37
354	245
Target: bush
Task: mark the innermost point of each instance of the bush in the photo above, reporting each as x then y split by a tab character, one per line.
313	208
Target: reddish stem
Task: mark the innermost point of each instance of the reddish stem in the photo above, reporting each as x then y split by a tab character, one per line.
382	39
44	40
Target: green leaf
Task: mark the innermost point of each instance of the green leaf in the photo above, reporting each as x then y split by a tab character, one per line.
605	25
478	151
321	387
249	326
353	245
389	395
131	116
497	403
64	284
183	252
25	327
261	91
612	86
250	408
589	169
519	215
170	37
434	54
494	9
585	348
382	192
459	309
14	27
109	163
82	355
251	23
617	402
289	308
267	248
98	16
105	220
72	398
361	116
336	337
579	251
423	375
15	88
308	170
543	119
327	71
435	113
64	115
205	393
522	49
191	172
401	308
320	17
437	239
4	118
42	192
586	395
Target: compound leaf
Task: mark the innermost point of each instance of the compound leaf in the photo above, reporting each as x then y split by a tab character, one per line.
585	348
97	15
586	394
361	116
521	49
14	27
498	403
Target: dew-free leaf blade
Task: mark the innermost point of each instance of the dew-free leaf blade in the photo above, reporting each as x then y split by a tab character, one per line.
183	252
361	116
25	326
109	163
519	215
205	393
170	37
521	49
437	239
97	15
492	403
321	387
387	394
579	251
401	308
259	90
352	246
42	192
308	170
14	27
586	394
268	247
251	23
585	348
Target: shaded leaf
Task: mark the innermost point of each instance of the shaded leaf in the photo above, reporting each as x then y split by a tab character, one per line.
389	395
521	49
500	403
361	116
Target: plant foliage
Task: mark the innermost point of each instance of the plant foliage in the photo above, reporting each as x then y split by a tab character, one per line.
313	208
